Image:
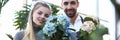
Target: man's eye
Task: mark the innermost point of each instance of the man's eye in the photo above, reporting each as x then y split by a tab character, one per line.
73	2
65	3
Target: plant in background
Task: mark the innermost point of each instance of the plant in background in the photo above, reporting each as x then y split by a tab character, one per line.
21	17
2	4
10	36
54	9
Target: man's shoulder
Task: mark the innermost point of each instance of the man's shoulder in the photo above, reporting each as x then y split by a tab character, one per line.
82	15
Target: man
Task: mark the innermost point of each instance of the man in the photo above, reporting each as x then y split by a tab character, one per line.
70	9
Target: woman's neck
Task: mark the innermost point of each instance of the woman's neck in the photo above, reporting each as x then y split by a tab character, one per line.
36	28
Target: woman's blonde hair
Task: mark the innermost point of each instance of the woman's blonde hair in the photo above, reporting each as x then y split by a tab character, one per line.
29	32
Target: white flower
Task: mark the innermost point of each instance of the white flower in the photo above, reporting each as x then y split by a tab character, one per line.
88	26
94	18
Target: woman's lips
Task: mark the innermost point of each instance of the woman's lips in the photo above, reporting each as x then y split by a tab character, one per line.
41	20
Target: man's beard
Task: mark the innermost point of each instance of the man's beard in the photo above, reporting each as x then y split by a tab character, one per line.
70	12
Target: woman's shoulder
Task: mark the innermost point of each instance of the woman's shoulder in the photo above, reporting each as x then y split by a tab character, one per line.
19	35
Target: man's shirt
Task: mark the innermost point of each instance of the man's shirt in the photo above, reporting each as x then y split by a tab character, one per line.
77	24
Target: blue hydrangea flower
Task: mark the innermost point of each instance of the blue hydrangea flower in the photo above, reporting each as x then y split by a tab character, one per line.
53	23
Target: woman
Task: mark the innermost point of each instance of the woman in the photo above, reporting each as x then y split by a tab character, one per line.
36	19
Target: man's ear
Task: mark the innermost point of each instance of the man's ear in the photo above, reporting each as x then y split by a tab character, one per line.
61	4
78	4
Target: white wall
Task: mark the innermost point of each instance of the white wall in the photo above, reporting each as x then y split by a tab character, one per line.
107	12
7	16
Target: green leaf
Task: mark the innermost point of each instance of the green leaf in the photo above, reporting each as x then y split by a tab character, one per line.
84	33
54	20
54	9
71	29
90	19
4	2
10	36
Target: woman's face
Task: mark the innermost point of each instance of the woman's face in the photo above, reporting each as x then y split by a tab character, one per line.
40	15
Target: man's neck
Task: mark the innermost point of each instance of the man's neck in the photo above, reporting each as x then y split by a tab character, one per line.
73	19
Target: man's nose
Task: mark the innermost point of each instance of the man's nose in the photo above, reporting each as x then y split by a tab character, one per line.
69	6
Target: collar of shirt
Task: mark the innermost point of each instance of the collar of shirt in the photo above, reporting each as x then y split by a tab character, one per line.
76	25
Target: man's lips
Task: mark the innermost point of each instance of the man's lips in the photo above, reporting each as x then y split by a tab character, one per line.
69	11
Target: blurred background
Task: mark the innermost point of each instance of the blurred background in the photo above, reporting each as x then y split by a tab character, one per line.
11	11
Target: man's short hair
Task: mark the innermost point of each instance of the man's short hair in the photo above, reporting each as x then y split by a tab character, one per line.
77	0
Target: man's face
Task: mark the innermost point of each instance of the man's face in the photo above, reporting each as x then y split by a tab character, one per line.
70	7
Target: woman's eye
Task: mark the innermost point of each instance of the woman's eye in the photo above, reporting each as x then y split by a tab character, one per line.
39	12
46	15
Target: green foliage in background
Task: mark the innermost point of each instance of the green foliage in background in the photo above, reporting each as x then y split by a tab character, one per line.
2	3
10	36
21	17
54	9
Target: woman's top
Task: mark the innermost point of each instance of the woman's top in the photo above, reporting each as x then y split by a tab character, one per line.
20	35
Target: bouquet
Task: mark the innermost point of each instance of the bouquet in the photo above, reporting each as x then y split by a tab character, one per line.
56	28
91	29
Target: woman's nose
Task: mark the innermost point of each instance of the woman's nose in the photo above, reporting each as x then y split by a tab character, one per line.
42	16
